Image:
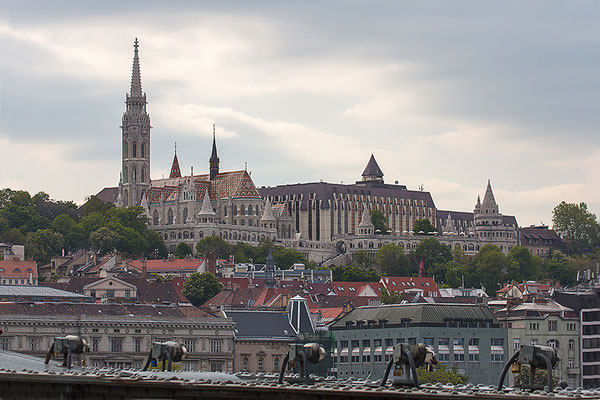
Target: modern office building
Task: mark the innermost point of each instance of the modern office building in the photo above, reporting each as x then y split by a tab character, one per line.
464	335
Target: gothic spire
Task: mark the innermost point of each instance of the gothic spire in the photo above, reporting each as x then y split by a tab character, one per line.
136	80
175	171
214	158
489	202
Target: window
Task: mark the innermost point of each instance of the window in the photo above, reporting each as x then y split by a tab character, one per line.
5	343
137	345
516	343
276	364
533	342
216	346
428	342
95	342
497	357
571	344
444	357
245	364
534	326
34	343
571	363
189	366
216	367
473	357
143	150
110	293
92	293
190	345
552	325
261	364
552	343
127	294
134	148
571	326
116	345
497	342
459	357
366	343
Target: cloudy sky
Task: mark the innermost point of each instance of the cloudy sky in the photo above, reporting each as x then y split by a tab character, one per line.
444	94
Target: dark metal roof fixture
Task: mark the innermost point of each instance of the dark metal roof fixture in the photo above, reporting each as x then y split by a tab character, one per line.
67	345
303	354
537	357
405	360
167	352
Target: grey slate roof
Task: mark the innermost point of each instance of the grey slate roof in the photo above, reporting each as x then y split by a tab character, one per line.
261	324
324	192
25	292
417	314
372	168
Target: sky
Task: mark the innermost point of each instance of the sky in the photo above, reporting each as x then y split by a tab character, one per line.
445	94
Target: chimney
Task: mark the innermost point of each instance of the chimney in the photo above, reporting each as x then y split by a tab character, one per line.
212	263
144	269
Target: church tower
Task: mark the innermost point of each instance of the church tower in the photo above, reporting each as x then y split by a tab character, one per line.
136	140
214	158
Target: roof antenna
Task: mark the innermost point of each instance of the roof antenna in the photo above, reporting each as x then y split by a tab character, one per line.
246	166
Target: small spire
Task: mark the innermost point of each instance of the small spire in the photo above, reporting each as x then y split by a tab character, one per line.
422	271
175	171
175	148
213	162
136	80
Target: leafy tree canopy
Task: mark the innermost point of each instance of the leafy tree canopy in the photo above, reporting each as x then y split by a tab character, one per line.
390	298
577	225
441	374
43	244
350	273
199	288
182	250
379	221
432	252
392	260
362	259
214	245
423	225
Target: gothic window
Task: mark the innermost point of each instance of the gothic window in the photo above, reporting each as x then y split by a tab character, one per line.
134	150
134	180
276	364
173	236
125	150
143	174
242	210
235	210
170	217
155	218
185	215
125	175
225	211
143	149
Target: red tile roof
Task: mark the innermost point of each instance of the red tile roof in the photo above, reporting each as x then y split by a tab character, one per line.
356	288
402	284
163	266
18	269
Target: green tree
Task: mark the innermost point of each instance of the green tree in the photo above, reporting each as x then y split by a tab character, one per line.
104	240
441	374
43	244
392	260
12	236
522	265
71	231
284	258
199	288
350	273
156	246
557	267
361	258
432	252
423	225
577	225
390	298
182	250
94	204
243	252
541	377
215	245
379	221
489	264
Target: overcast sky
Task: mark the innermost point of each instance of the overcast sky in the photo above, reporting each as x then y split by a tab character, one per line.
444	94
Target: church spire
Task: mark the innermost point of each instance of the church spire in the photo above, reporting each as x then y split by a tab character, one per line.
175	171
136	80
489	202
214	158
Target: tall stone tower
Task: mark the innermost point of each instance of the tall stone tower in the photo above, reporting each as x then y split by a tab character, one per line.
135	179
214	158
488	220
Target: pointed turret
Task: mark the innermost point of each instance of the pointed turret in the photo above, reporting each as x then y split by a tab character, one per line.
366	226
372	172
206	209
268	219
136	79
214	158
489	202
175	171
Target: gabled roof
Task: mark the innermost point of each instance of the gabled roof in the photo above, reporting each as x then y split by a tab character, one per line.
18	269
404	283
161	266
362	289
110	278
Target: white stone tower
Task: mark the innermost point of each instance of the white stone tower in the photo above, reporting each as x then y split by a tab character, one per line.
136	140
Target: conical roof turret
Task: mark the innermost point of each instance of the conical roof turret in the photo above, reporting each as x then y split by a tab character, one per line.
175	170
365	221
372	171
489	202
206	209
267	213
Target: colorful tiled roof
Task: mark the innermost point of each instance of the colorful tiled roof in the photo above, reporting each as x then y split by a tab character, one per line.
18	269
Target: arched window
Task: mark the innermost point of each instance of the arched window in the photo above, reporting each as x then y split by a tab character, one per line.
234	209
261	364
552	343
125	150
134	180
276	364
250	209
242	210
245	364
185	215
134	149
225	211
143	174
155	218
125	175
173	236
170	217
571	344
143	149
